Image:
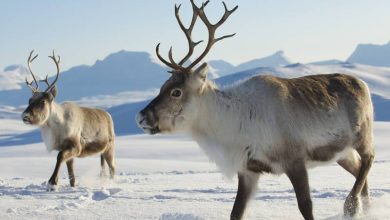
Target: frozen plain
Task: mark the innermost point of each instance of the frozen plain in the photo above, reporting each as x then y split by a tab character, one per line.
168	178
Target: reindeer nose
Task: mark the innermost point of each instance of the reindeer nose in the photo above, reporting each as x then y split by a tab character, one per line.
145	119
26	117
139	119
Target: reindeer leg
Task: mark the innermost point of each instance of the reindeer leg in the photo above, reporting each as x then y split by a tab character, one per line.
102	167
109	157
71	151
352	164
247	183
297	174
351	204
54	177
72	178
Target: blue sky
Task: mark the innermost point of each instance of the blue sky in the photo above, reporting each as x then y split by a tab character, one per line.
83	31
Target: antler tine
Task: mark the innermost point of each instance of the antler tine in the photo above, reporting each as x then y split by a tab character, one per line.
29	61
57	63
223	37
46	80
172	60
172	65
211	29
225	15
29	84
188	31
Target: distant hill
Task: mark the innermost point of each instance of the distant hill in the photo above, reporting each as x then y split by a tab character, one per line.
220	67
274	60
118	72
223	68
371	54
378	80
12	77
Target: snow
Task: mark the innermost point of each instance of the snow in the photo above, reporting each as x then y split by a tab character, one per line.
108	101
223	68
168	178
12	77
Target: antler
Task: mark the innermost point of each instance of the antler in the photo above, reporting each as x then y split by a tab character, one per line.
29	84
46	80
57	63
211	29
188	31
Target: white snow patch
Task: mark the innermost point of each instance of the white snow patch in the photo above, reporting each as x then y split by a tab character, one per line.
168	177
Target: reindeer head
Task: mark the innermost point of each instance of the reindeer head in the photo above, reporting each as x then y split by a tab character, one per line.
40	103
175	108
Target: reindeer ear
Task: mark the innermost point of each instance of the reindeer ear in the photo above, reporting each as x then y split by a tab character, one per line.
202	71
53	91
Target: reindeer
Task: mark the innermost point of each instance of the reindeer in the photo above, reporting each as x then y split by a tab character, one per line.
72	130
266	124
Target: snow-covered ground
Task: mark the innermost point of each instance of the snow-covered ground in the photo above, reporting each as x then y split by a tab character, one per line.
168	177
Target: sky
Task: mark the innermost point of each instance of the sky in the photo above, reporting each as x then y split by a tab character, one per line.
84	31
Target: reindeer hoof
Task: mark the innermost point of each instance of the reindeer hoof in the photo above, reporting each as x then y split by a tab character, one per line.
351	206
103	174
365	203
72	181
51	187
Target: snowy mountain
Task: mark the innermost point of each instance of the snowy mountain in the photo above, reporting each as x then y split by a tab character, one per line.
274	60
223	68
220	67
118	72
123	115
371	54
12	77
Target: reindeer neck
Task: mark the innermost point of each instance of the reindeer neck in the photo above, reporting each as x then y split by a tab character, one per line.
218	115
56	116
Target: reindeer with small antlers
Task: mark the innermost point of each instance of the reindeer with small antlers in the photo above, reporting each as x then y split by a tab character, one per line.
72	130
267	124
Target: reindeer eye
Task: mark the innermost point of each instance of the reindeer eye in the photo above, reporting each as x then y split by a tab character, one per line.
176	93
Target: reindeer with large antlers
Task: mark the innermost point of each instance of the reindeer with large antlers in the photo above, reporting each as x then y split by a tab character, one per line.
72	130
267	124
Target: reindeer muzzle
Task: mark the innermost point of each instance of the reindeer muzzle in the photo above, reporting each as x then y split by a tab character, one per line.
26	118
147	121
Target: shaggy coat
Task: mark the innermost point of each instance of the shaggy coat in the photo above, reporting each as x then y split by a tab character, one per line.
268	124
72	130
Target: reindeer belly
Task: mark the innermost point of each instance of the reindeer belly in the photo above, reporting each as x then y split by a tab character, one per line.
93	147
326	155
